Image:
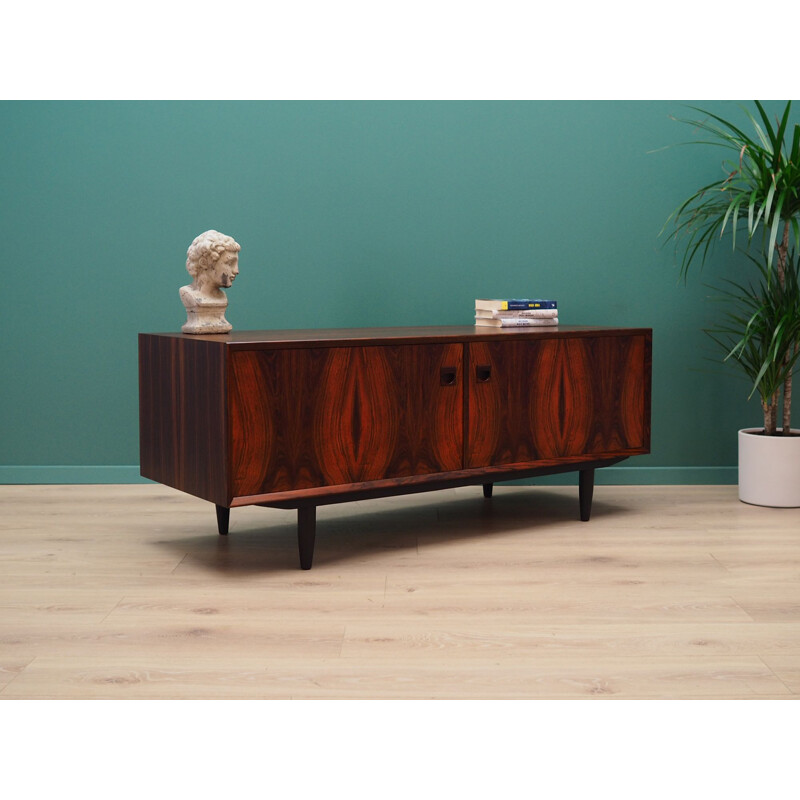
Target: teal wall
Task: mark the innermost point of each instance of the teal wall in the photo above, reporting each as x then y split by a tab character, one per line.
349	214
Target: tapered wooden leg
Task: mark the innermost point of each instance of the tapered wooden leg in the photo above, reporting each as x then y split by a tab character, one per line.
585	491
306	533
223	519
487	489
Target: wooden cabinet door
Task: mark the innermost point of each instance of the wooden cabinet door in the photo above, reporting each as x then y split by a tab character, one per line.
558	398
304	418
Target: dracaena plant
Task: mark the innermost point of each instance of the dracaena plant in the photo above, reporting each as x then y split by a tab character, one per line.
760	331
755	203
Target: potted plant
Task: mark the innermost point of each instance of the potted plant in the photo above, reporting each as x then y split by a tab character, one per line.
758	201
760	332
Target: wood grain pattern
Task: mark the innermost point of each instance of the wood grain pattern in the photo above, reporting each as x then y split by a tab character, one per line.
321	417
250	413
672	592
183	430
561	397
272	419
565	398
282	418
356	417
428	334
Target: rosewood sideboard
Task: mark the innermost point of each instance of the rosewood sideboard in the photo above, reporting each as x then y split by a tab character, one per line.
302	418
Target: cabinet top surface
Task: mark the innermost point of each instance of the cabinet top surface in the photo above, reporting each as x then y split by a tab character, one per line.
397	335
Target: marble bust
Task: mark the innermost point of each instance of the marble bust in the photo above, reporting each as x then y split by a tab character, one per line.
213	262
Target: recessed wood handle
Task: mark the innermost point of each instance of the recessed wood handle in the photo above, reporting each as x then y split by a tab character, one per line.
448	376
483	372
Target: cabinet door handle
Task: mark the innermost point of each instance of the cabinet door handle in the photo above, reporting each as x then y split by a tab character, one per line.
447	376
483	372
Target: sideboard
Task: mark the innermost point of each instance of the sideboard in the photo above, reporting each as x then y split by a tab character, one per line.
303	418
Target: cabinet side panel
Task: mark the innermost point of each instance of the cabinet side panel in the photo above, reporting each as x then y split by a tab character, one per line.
647	389
182	417
158	457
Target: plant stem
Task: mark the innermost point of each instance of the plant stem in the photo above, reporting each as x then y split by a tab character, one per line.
770	415
783	251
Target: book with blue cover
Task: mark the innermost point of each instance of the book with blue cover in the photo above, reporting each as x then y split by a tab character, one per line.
513	304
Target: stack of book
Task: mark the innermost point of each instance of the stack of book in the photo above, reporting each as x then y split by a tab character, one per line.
516	313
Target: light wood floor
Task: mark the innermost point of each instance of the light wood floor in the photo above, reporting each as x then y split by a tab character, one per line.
669	592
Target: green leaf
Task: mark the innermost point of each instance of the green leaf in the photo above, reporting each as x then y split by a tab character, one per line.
768	203
765	142
794	153
750	208
735	224
761	209
760	330
729	125
779	137
761	185
768	144
773	237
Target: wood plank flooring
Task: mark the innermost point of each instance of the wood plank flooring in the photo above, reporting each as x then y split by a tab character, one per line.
669	592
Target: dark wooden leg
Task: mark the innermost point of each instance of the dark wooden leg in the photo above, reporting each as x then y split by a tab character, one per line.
487	489
306	533
585	491
223	519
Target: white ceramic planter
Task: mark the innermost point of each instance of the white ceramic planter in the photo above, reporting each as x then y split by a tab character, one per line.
769	469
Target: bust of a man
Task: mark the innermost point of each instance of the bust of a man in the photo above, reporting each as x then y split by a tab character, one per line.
213	262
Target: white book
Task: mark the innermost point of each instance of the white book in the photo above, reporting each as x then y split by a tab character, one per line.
517	322
538	313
